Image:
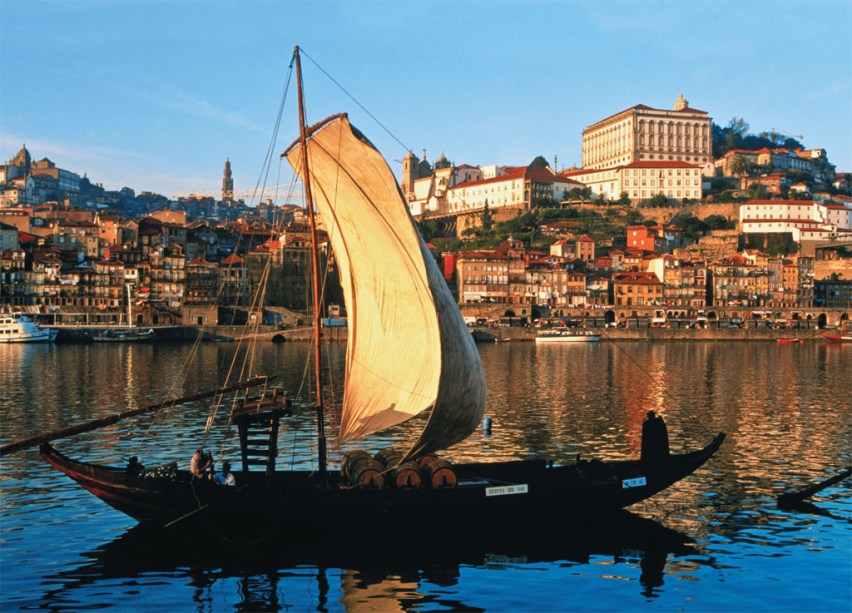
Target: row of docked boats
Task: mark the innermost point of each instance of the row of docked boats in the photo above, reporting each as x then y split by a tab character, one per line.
17	327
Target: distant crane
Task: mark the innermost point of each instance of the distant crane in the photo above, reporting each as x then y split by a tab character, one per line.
777	137
283	190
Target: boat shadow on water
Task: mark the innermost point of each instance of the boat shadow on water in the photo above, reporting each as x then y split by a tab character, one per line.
368	564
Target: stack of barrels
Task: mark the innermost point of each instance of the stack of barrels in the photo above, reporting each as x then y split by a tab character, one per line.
385	470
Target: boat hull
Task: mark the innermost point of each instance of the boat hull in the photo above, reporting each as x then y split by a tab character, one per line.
836	338
259	505
568	338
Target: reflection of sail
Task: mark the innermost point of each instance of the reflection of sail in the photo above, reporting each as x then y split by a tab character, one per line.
363	594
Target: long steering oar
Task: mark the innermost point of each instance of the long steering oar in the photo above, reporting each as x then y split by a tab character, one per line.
111	419
789	498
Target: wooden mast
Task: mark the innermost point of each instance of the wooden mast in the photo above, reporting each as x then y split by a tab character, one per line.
309	204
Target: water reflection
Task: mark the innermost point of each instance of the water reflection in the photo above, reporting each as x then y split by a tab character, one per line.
787	412
364	573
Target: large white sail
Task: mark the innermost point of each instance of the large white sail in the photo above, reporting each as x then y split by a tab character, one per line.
408	348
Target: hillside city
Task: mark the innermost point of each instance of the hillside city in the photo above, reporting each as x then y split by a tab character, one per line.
667	211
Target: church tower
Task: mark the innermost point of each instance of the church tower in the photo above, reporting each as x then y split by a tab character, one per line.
681	103
227	183
409	173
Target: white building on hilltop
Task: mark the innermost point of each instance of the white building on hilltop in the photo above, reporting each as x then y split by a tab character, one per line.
643	180
804	219
450	189
645	134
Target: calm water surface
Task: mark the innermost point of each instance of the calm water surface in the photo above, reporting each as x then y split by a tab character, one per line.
716	541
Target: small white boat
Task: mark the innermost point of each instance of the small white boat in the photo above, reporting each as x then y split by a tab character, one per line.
18	328
566	335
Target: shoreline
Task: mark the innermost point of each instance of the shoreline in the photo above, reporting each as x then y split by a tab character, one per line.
275	334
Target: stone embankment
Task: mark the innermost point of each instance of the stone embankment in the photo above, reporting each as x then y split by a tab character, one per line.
520	334
77	334
499	334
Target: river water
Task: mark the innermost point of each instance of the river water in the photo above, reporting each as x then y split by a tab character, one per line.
717	540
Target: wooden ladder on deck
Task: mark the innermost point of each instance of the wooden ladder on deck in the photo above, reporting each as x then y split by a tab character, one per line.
258	423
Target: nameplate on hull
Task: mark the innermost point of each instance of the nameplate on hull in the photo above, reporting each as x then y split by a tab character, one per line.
506	490
637	482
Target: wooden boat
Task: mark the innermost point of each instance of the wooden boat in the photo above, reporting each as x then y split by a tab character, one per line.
566	335
408	352
836	338
522	490
124	335
790	341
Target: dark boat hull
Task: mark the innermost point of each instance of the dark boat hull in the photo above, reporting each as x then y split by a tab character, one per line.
486	492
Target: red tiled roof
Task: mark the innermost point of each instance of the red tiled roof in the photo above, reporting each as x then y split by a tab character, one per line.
643	107
232	259
641	164
639	278
776	202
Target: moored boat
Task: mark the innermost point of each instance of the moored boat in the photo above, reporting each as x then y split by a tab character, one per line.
790	341
123	335
567	335
837	338
16	327
409	353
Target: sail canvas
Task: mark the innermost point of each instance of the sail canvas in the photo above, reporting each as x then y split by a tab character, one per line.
409	349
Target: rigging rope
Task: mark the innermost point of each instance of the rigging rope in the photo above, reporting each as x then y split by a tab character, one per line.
355	100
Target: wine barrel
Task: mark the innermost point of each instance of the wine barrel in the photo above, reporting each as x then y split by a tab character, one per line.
437	473
389	456
359	469
402	476
405	476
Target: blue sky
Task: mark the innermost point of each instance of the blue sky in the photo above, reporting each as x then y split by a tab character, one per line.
156	95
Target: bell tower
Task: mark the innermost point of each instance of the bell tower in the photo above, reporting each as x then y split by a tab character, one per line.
227	183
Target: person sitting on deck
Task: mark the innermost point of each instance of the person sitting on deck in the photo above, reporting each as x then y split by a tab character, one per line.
225	477
200	463
134	467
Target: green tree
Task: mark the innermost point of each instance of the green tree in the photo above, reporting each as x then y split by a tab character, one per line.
659	200
486	220
578	193
758	191
717	222
741	166
737	131
624	199
539	162
634	217
692	227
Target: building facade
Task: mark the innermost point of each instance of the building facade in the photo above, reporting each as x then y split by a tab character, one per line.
642	133
643	180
